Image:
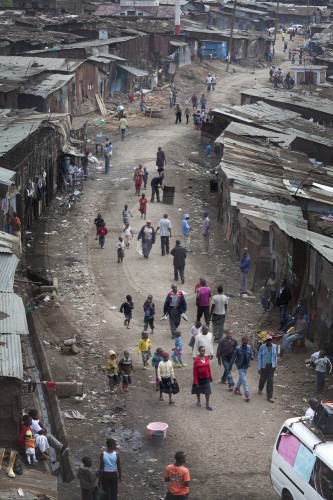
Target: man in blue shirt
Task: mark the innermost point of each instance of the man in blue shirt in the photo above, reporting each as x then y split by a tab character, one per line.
185	229
242	358
267	362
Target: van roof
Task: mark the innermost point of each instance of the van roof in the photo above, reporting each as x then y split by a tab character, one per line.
324	450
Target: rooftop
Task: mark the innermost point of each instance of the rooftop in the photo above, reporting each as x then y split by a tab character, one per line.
20	68
161	12
48	86
13	320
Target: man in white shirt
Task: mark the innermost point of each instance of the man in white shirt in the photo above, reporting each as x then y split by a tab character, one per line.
205	339
209	82
164	226
217	313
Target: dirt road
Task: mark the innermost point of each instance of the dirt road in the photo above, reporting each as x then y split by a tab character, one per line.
228	450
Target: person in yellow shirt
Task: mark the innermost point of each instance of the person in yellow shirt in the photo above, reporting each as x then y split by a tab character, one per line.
112	369
144	348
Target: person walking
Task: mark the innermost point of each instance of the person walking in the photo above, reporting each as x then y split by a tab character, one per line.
204	339
209	82
266	363
107	156
87	479
164	226
178	114
194	101
84	164
110	470
214	80
224	354
179	256
272	286
205	231
202	377
264	296
185	230
102	232
98	223
160	160
111	367
128	235
244	266
143	206
166	377
174	96
217	313
126	215
202	301
123	126
149	314
138	179
187	115
282	301
242	358
174	306
156	185
147	236
178	478
126	369
144	346
127	309
203	102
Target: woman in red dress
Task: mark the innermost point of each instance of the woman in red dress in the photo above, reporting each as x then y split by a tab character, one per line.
143	206
202	377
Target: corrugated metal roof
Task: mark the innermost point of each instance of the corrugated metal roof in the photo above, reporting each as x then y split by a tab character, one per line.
19	68
9	240
282	139
49	85
105	58
96	43
162	12
12	315
8	265
11	364
16	133
6	176
134	71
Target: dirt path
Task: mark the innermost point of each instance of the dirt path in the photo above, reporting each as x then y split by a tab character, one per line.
228	449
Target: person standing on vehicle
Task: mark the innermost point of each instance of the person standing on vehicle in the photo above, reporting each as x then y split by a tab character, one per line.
164	226
242	358
217	313
267	362
179	256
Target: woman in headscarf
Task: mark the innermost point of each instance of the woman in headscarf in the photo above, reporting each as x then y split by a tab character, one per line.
166	375
138	179
202	377
147	235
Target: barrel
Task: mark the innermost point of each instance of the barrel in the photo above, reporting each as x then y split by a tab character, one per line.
168	195
157	438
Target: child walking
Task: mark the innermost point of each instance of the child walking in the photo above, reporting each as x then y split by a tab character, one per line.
195	329
127	308
111	367
102	232
149	310
98	223
87	478
187	115
177	356
120	249
264	296
144	348
145	177
128	235
155	360
30	444
143	206
125	366
126	213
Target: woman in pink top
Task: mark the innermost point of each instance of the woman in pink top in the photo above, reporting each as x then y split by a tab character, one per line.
203	300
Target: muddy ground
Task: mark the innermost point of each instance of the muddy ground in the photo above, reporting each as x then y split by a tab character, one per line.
228	450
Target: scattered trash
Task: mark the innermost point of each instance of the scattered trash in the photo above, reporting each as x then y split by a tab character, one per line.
69	342
113	308
20	492
73	414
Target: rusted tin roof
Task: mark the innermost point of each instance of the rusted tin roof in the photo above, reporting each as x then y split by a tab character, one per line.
11	364
8	264
13	320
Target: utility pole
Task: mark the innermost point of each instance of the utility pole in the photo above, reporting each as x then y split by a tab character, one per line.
275	25
231	34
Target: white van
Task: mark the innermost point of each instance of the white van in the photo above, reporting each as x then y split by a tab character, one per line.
302	462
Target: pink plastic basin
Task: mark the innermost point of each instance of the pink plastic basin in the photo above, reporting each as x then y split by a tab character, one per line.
157	426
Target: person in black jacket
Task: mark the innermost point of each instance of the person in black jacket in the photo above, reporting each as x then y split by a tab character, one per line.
179	256
282	301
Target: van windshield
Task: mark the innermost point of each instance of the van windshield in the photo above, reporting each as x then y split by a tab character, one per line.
322	479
